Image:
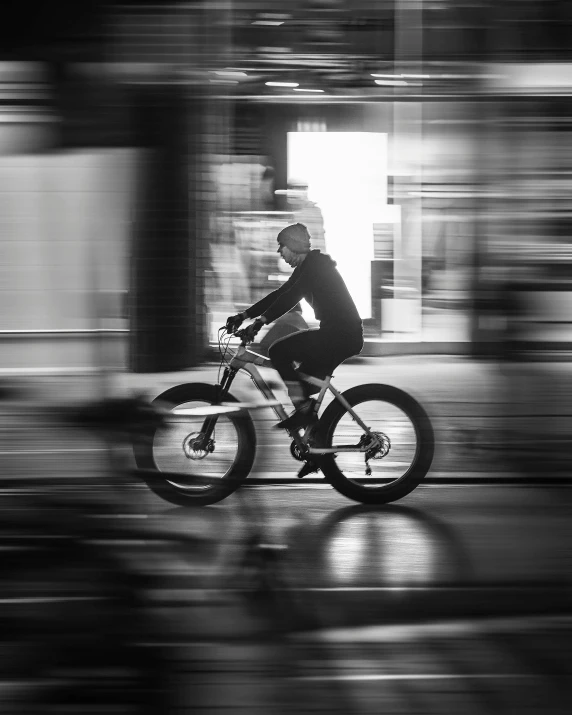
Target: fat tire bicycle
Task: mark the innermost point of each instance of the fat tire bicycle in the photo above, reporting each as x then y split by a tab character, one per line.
374	443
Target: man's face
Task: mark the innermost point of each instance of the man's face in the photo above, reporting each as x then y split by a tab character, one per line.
288	255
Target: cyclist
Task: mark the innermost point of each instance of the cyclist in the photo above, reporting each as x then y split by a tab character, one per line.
319	351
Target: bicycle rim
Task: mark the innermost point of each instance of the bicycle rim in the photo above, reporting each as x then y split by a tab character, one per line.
191	470
393	424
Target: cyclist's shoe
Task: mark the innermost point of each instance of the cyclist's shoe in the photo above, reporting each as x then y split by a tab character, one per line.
308	468
303	415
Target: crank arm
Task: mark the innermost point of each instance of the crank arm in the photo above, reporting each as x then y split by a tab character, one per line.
335	450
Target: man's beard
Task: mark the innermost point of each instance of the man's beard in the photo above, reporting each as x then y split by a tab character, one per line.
297	259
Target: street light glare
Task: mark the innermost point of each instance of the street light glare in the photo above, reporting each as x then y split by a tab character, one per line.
282	84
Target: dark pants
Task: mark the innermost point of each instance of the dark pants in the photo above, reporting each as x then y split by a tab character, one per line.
319	352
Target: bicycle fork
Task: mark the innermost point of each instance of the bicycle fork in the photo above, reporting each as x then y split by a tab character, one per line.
222	390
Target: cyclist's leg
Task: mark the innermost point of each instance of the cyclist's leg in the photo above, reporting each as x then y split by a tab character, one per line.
319	352
289	323
299	348
330	349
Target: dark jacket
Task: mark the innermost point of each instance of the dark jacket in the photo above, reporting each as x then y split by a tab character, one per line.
317	280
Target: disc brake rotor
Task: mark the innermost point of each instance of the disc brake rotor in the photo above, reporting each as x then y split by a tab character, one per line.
194	446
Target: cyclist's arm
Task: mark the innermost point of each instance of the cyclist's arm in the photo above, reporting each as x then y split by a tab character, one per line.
286	300
278	302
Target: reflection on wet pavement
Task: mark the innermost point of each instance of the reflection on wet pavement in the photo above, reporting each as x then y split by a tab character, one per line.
394	547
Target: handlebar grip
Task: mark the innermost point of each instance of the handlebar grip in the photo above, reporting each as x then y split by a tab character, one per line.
243	337
241	334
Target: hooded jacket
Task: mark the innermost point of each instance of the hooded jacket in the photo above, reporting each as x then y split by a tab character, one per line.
316	280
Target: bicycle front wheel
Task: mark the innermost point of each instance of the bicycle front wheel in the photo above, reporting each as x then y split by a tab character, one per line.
173	462
399	446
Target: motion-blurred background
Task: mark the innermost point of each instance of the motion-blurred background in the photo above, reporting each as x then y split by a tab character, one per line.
150	152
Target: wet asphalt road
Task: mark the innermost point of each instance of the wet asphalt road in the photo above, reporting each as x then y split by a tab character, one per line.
474	546
454	600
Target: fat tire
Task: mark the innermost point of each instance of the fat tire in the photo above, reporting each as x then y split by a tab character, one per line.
418	468
159	482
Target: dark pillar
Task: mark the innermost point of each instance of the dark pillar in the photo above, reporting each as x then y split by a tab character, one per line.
166	288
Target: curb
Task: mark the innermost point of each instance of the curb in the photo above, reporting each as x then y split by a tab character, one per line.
476	479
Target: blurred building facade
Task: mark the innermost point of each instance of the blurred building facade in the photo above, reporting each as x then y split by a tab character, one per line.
151	152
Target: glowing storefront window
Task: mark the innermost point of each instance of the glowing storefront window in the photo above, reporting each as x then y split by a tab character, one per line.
346	174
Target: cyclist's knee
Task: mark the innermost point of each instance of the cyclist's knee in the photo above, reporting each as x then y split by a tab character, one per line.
276	353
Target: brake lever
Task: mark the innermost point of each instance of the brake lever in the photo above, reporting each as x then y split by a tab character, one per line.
240	334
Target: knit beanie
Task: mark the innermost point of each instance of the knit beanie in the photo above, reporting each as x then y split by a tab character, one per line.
296	237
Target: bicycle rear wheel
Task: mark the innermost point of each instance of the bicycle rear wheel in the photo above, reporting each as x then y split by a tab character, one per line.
400	456
181	473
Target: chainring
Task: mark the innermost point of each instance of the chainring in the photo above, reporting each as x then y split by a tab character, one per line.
296	452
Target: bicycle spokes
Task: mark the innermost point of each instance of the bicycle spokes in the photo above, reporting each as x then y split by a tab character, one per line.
384	453
181	448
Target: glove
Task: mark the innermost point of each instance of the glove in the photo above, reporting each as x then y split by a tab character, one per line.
234	322
252	330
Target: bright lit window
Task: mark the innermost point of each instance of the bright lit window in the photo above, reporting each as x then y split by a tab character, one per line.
347	178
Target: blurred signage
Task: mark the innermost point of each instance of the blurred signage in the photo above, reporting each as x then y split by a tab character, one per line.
532	78
383	241
255	236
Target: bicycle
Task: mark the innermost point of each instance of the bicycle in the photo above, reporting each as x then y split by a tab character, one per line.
207	449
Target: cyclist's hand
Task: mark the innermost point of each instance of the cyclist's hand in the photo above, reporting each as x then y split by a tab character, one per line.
233	323
251	331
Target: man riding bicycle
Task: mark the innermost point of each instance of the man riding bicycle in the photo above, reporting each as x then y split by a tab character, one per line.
317	352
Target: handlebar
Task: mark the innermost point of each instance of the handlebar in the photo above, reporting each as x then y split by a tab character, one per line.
244	339
240	334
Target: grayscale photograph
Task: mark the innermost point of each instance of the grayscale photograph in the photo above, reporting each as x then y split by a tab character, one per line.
286	357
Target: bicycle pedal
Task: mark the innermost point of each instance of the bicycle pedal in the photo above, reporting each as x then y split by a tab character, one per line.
308	468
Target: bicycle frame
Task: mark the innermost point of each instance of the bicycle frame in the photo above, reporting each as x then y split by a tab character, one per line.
324	386
247	361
